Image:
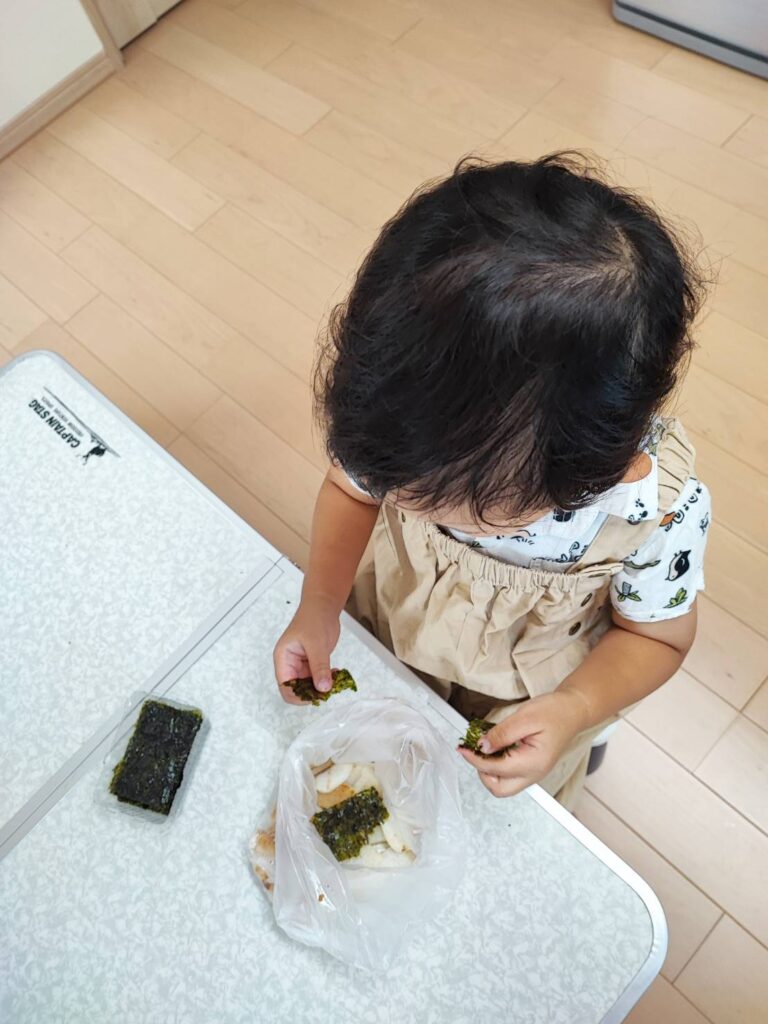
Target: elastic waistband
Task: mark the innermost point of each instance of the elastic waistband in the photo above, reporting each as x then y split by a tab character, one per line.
501	574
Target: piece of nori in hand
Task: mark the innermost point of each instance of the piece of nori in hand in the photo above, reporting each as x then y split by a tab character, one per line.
346	826
476	729
152	768
305	688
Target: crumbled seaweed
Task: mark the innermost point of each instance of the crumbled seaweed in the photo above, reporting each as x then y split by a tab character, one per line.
476	729
305	689
152	768
345	828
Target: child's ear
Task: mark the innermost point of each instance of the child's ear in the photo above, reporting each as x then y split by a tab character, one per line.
639	467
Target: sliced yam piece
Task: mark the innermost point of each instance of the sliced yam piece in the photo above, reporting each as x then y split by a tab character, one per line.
336	796
380	855
364	778
265	842
263	877
333	777
393	834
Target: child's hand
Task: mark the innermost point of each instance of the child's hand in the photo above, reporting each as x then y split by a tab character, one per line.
543	729
305	647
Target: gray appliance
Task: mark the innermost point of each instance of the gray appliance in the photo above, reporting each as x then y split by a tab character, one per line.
732	31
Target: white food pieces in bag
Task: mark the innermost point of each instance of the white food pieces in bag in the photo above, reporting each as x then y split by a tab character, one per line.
360	914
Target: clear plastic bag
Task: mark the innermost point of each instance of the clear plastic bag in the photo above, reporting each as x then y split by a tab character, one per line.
362	915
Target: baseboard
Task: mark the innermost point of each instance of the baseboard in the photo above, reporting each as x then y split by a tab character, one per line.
54	102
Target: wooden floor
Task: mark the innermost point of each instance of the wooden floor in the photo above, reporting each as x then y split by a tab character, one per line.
180	233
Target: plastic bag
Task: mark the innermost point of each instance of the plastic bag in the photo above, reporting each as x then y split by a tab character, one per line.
361	915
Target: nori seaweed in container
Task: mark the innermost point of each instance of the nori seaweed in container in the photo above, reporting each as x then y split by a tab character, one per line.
152	769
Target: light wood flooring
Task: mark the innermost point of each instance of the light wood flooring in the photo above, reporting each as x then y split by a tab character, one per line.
179	235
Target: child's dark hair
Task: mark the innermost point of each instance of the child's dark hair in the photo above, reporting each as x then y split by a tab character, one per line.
507	340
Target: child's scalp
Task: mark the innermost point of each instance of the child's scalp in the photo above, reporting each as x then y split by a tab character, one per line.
508	339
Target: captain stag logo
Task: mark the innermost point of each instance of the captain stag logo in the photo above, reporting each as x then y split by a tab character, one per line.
85	442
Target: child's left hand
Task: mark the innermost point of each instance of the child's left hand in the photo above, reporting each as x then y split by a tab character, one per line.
543	728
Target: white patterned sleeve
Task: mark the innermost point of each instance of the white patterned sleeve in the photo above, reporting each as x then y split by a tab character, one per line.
661	578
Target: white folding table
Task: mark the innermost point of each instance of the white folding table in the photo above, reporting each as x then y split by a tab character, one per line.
123	573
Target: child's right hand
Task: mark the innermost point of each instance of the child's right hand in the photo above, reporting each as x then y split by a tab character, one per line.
305	647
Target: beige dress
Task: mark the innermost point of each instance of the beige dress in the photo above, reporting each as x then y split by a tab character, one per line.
487	635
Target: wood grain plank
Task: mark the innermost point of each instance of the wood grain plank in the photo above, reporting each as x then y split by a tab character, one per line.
239	79
726	416
757	709
40	274
133	114
739	492
360	52
684	718
663	1004
36	208
536	134
576	107
701	163
399	167
727	656
256	44
52	337
390	114
734	352
742	295
737	577
678	105
152	369
679	817
751	140
728	977
690	914
305	282
244	303
713	78
18	315
737	768
328	180
383	17
238	367
234	494
261	461
267	198
518	80
159	182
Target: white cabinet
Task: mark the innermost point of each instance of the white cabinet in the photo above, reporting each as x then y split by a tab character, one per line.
127	19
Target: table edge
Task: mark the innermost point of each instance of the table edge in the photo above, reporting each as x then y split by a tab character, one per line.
659	930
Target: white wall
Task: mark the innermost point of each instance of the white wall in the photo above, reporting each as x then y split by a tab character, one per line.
41	43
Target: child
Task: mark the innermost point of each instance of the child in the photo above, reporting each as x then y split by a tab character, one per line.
491	392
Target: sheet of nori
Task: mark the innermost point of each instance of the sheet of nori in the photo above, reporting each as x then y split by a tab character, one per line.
151	771
476	729
305	688
345	827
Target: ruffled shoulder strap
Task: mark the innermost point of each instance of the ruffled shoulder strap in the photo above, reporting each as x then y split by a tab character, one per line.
676	457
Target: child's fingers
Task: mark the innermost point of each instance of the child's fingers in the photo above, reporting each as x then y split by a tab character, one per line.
514	729
290	663
511	764
502	787
320	667
289	696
